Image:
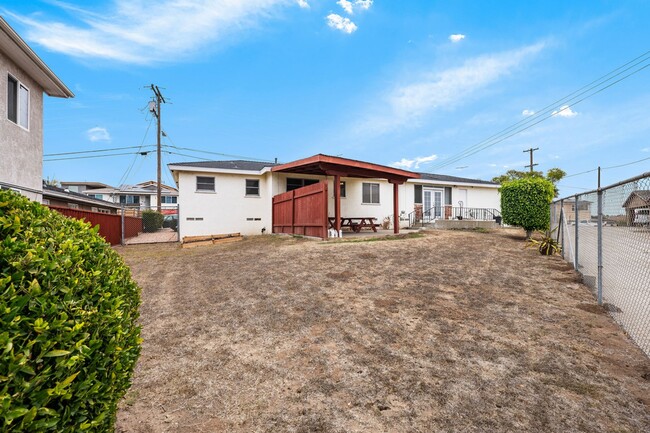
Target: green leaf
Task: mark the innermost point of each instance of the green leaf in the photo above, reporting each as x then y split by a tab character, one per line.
54	353
15	413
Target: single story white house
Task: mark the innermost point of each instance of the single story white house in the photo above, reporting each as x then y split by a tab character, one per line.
219	197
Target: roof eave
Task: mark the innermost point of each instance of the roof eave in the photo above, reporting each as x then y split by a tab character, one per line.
27	59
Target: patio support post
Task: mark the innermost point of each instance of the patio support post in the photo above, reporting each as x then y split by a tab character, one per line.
337	204
395	207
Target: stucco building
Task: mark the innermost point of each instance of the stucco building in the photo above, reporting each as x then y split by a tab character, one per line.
24	77
217	197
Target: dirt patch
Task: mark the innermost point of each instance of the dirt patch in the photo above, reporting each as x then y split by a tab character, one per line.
451	332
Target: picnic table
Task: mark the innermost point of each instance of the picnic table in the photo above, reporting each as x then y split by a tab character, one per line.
355	223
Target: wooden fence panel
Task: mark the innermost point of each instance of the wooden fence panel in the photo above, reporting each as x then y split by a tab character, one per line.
110	225
302	211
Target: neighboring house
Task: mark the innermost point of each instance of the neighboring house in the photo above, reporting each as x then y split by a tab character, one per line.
24	77
218	197
140	196
569	208
82	186
60	197
637	208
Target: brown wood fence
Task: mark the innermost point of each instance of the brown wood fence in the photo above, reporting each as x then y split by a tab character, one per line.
302	211
110	225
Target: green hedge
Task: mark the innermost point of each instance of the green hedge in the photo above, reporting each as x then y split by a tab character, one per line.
152	221
526	203
68	334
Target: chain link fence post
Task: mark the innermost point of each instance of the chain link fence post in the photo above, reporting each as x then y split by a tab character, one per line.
600	246
576	262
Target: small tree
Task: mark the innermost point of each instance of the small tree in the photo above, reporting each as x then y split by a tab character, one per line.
553	175
526	203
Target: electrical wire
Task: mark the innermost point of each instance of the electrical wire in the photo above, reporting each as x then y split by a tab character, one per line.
96	151
248	158
94	156
543	114
127	172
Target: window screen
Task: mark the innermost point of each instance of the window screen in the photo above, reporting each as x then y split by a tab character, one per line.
370	193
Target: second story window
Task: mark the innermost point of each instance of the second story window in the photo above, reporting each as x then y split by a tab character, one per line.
17	102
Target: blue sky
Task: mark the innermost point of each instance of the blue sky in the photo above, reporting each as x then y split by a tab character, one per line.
405	83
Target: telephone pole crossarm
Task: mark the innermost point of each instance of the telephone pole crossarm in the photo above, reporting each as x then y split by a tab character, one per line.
531	150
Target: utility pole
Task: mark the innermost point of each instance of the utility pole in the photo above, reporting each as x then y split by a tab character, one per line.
531	150
159	100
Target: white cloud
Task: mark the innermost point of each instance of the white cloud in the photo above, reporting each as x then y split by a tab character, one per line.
346	5
336	21
363	4
564	111
98	134
645	149
456	38
405	104
303	4
141	32
416	162
527	113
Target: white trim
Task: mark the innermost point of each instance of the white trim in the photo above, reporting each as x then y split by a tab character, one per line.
433	183
18	103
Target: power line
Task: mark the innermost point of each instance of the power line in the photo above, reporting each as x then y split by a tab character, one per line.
127	172
543	114
173	145
95	151
96	156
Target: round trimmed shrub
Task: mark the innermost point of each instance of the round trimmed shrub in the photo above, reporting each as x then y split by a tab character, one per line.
69	339
526	203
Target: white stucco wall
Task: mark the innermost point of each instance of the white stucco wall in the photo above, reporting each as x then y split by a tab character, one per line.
226	210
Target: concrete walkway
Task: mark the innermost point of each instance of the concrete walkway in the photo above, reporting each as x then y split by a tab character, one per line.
161	236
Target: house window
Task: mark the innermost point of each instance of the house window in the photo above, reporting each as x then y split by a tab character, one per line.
418	194
370	193
299	183
130	199
17	102
343	189
73	205
204	183
168	199
253	187
97	196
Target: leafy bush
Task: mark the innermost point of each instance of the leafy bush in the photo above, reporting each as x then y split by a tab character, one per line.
68	335
526	203
547	245
151	221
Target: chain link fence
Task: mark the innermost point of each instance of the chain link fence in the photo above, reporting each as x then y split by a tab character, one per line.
606	235
147	225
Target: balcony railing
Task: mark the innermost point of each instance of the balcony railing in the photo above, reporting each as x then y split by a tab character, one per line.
420	216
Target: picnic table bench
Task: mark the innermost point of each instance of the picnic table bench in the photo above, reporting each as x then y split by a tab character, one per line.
355	223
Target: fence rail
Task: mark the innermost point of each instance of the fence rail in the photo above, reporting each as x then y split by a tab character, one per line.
110	225
605	233
421	216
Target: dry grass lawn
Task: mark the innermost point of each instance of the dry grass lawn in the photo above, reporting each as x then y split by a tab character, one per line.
449	332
